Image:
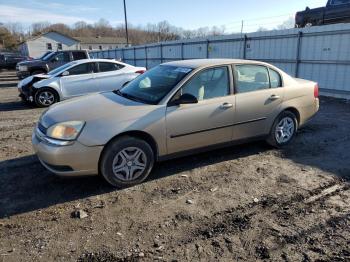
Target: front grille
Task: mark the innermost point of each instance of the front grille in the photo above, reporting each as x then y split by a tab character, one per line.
42	128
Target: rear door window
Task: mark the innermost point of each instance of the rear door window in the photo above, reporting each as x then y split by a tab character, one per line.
107	67
78	55
251	78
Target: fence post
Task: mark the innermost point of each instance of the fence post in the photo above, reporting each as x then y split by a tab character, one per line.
207	55
297	60
245	46
146	57
134	56
161	53
182	51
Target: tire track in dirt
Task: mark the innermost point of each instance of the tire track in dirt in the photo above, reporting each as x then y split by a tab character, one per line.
237	221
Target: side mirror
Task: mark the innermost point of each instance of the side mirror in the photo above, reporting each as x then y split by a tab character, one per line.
55	59
185	99
65	73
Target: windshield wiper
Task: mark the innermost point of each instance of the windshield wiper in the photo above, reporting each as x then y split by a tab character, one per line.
118	92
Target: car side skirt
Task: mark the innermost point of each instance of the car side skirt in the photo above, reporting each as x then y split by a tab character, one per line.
210	148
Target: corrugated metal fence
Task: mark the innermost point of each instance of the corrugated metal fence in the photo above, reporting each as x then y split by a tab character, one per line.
319	53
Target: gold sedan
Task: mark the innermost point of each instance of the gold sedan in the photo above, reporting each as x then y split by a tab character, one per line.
173	109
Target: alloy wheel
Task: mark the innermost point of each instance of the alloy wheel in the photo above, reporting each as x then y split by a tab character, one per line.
285	130
46	98
129	163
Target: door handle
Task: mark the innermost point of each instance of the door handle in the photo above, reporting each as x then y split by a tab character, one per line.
274	97
226	105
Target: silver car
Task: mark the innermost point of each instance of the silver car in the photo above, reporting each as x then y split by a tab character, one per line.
75	79
174	109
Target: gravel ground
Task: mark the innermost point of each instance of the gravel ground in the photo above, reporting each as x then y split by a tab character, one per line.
248	202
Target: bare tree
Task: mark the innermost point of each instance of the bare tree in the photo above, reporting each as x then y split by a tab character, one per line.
287	24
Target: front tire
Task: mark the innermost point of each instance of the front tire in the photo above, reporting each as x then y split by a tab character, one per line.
126	161
45	97
283	130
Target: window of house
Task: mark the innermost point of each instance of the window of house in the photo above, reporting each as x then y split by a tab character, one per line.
48	46
251	78
100	47
90	47
59	46
210	83
107	67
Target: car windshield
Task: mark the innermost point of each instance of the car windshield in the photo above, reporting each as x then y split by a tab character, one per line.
61	68
155	84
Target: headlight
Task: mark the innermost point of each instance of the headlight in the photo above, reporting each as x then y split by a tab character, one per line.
65	131
23	68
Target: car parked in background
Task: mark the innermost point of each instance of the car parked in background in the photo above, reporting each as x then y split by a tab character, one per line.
9	60
336	11
49	62
173	109
75	79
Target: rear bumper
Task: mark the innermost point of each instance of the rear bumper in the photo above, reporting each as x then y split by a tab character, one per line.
73	160
307	113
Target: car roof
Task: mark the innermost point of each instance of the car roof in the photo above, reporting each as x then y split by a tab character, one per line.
81	61
197	63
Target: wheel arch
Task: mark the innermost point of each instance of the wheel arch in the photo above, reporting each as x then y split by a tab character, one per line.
36	90
136	134
294	111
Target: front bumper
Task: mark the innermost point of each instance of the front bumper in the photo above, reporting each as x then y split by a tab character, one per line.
72	160
22	74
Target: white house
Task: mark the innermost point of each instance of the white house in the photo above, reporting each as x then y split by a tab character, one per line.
55	41
51	41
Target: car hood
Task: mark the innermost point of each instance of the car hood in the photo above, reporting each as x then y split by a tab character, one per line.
95	108
32	62
33	79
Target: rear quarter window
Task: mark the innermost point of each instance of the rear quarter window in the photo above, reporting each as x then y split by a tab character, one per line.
275	78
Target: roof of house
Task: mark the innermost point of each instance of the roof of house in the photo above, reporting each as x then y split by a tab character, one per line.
101	40
51	31
85	40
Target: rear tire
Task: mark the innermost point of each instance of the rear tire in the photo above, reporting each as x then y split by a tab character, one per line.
283	129
126	161
45	97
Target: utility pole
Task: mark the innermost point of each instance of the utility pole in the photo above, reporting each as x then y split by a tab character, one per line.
126	25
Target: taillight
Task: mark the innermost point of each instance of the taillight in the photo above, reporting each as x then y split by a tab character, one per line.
316	91
140	72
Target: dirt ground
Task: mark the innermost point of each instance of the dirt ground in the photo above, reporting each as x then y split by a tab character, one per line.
243	203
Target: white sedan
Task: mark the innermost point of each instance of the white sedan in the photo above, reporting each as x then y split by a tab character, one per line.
75	79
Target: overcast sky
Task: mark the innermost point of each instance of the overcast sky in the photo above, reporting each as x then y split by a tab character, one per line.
189	14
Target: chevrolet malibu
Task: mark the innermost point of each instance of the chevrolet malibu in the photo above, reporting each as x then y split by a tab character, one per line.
174	109
76	78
